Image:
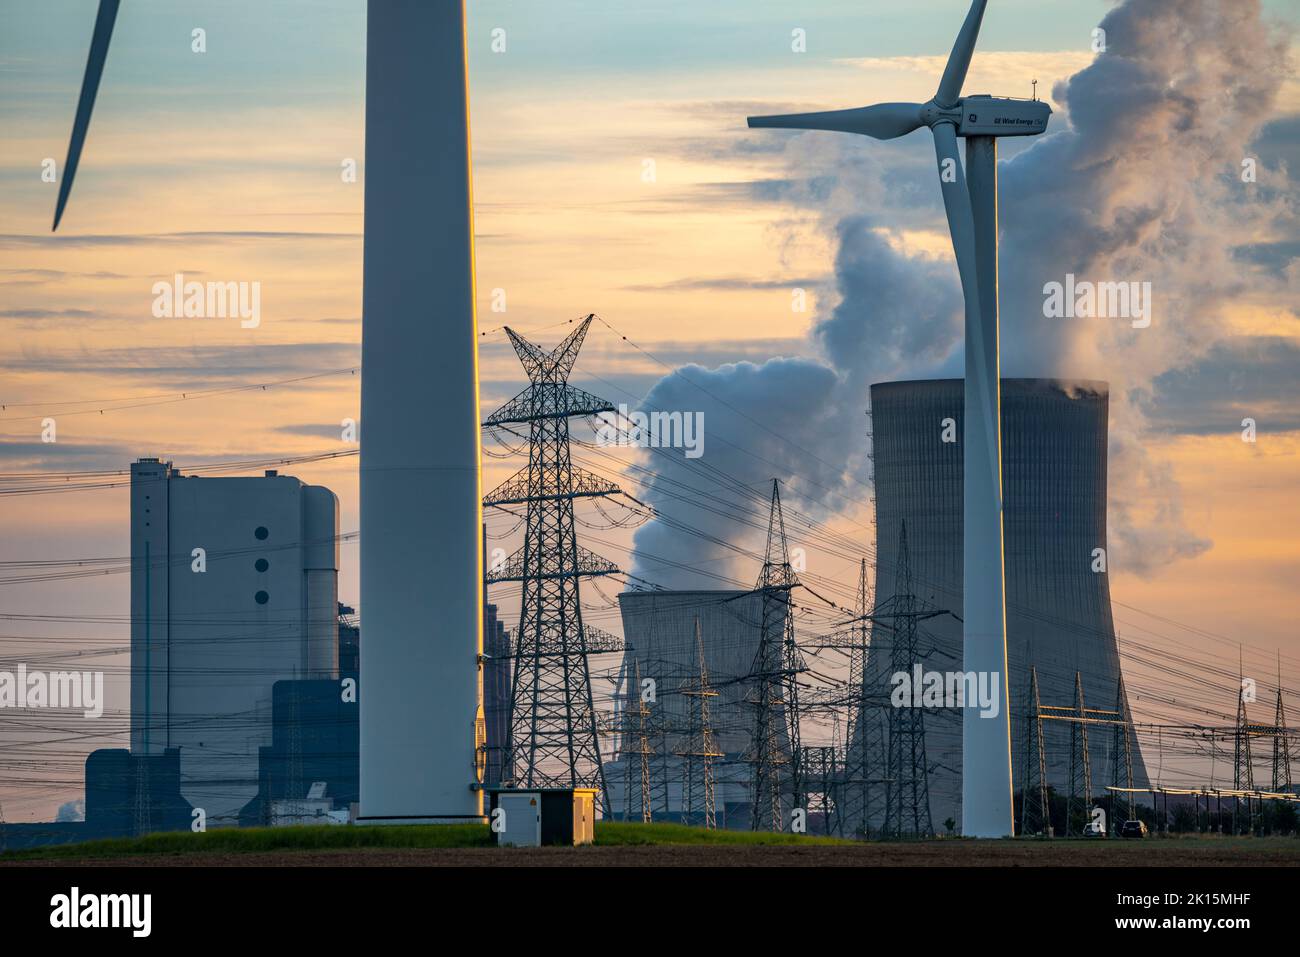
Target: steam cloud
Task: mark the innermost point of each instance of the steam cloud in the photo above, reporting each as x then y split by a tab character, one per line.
1139	181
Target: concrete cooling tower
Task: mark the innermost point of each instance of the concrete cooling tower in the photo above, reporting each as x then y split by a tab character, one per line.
1058	607
659	627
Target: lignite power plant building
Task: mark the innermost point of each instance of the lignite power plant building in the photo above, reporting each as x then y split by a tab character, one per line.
234	586
1054	441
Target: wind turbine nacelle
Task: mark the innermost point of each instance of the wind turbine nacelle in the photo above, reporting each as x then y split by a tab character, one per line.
1002	116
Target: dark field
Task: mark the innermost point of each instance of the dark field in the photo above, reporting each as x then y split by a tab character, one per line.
675	848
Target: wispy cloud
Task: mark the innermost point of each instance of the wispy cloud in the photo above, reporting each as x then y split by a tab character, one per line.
196	366
227	237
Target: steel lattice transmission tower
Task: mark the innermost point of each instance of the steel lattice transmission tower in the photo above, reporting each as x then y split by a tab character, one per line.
822	769
864	749
699	747
773	677
1035	806
553	740
1080	762
635	740
1121	775
1281	744
1243	766
907	809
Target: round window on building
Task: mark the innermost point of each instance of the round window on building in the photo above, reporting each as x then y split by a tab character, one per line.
262	597
261	564
261	533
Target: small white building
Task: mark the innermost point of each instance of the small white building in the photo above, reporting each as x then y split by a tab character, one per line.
315	808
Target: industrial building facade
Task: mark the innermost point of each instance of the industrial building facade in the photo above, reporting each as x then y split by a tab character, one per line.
1054	442
496	695
234	586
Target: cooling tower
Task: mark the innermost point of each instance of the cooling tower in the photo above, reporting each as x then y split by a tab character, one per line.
1058	607
659	631
421	571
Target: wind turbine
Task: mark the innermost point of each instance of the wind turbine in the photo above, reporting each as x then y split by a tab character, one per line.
970	200
421	511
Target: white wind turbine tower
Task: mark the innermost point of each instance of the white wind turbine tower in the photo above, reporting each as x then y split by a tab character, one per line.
973	223
421	512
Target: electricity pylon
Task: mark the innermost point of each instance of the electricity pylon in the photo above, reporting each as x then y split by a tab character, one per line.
699	748
1035	808
907	808
773	677
553	738
635	717
1080	763
1121	775
1243	770
861	752
823	770
1281	745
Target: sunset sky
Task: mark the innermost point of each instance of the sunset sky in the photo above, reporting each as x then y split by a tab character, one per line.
226	165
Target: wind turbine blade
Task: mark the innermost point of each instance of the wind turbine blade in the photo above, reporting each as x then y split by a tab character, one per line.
884	121
961	221
89	87
961	224
954	74
981	326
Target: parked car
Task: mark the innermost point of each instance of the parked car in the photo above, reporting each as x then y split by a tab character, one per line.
1133	829
1094	829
